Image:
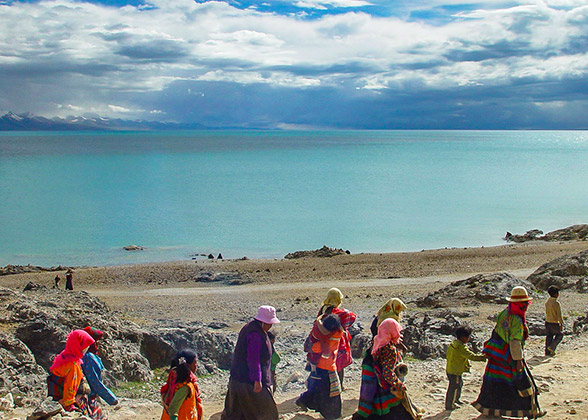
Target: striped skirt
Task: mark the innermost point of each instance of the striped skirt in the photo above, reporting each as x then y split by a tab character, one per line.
505	392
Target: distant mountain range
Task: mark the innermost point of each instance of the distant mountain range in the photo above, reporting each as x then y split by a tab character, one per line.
30	122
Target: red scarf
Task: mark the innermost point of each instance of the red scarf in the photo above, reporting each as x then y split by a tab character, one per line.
520	309
77	341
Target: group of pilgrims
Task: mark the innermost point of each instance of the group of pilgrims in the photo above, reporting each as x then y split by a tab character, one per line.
508	388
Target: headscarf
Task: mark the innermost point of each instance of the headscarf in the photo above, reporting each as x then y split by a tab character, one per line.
334	297
77	341
388	331
96	334
391	309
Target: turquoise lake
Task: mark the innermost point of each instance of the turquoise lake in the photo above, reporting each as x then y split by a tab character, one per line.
77	198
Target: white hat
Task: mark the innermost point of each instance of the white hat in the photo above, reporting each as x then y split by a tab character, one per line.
519	294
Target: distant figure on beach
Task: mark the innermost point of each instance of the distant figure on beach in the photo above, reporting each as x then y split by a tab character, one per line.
65	374
250	384
382	394
508	387
393	308
332	305
69	280
323	392
93	367
458	357
553	321
180	395
57	280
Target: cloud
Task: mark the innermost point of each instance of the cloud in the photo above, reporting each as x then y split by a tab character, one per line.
347	59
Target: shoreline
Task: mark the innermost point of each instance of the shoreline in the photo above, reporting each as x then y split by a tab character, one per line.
398	265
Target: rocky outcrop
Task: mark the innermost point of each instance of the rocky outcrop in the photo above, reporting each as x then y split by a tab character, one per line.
570	271
323	252
487	288
571	233
35	325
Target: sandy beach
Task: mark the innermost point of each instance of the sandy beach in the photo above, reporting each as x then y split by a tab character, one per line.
149	293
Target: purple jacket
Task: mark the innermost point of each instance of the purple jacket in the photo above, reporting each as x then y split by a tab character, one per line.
252	356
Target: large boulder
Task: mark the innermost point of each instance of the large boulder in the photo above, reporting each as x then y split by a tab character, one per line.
569	271
214	348
487	288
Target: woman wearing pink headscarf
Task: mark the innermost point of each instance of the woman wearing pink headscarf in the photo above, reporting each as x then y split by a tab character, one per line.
382	393
66	370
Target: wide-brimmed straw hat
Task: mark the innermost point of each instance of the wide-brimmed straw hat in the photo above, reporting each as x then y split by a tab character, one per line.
519	294
267	315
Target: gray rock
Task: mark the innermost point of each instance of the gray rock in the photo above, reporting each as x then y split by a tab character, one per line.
47	409
488	288
565	272
133	248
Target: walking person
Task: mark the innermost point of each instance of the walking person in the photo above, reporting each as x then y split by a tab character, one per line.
69	280
332	305
458	357
323	392
508	387
180	394
57	279
383	396
553	321
249	396
92	367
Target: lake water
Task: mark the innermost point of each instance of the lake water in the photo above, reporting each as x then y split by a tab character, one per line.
78	198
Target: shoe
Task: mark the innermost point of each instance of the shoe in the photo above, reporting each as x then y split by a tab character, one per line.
301	405
450	408
460	403
549	352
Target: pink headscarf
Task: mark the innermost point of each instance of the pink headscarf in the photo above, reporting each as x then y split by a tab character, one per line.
389	330
77	341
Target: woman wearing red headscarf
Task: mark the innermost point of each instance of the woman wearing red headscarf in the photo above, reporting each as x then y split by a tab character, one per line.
67	368
92	367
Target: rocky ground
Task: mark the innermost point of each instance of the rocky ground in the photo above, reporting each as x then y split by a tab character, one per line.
149	310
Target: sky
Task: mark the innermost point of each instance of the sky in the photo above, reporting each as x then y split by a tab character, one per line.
301	64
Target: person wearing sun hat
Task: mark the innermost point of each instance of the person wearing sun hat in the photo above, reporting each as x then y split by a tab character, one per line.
508	388
249	395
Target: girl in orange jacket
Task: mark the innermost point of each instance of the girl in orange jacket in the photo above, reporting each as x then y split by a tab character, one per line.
67	365
180	394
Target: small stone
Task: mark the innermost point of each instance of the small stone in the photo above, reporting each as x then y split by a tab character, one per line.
572	411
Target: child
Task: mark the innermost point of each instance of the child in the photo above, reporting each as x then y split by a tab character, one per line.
180	394
553	321
66	371
275	359
458	357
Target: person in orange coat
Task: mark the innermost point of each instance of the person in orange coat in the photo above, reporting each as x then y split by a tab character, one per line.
68	365
323	392
180	394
